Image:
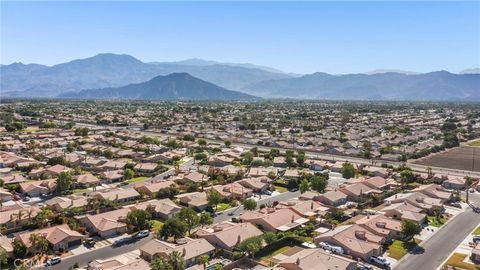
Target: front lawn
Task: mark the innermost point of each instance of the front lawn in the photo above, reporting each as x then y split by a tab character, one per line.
281	189
456	260
80	190
433	221
136	179
398	248
474	143
223	206
477	231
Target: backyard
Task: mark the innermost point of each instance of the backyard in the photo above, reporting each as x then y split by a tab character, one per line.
456	260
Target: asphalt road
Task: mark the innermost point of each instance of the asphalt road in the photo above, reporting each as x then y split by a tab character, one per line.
95	254
239	210
435	250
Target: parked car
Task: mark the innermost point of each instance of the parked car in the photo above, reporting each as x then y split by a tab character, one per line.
381	261
293	189
267	192
332	248
53	261
362	266
476	239
26	199
142	234
456	204
120	242
89	242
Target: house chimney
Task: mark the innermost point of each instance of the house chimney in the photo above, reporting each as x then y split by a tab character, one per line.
184	252
293	218
298	261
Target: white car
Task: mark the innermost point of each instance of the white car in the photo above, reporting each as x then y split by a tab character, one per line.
380	261
53	261
142	234
332	248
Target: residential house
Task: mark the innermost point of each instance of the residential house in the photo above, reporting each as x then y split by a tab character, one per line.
358	192
333	198
197	200
257	184
118	194
151	188
313	259
60	237
191	249
233	190
36	188
271	219
163	209
106	224
355	241
228	235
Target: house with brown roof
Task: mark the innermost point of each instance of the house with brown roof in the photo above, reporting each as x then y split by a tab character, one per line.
417	199
382	225
152	188
358	192
193	177
435	191
112	176
86	180
271	219
228	235
6	245
163	209
257	184
333	198
36	188
197	200
60	204
305	208
118	194
458	183
355	241
147	169
60	237
405	211
15	216
106	224
233	190
120	262
191	249
313	259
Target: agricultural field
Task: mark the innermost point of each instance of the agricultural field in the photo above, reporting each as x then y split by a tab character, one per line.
461	158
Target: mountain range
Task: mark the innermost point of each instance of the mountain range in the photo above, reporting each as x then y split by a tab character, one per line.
113	70
176	86
435	86
113	73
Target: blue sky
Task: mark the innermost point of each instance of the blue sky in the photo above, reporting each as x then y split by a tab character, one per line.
334	37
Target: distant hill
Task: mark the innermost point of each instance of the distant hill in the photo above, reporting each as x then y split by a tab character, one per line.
440	85
471	71
379	71
176	86
201	62
113	70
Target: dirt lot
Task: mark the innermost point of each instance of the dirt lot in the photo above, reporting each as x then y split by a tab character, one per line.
457	158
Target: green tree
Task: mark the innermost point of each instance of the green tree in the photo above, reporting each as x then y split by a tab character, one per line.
3	257
214	198
270	237
205	219
319	182
173	227
410	228
407	176
227	143
175	259
251	245
249	204
108	154
56	161
190	217
139	219
19	249
160	263
303	186
44	217
348	171
64	182
247	158
204	260
202	142
128	173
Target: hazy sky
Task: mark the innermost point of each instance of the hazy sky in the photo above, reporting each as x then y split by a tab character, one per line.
340	37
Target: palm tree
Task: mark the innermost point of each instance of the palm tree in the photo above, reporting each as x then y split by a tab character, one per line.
160	263
176	260
204	260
